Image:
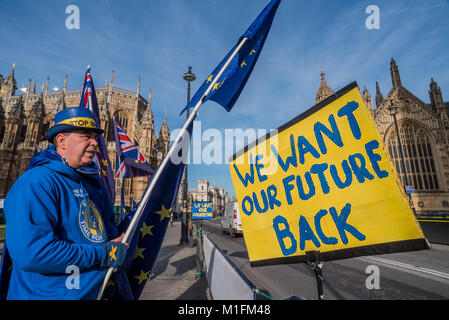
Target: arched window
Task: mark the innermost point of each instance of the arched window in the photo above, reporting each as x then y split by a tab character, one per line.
122	119
418	157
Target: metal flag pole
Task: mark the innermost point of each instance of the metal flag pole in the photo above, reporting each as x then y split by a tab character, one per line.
146	196
90	105
313	260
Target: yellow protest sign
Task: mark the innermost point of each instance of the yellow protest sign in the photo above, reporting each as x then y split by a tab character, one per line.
323	182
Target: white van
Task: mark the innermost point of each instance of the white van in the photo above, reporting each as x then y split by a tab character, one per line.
230	222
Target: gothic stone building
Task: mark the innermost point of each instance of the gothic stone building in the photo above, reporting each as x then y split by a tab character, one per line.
424	134
25	118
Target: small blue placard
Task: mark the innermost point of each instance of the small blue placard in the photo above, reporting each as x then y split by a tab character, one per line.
202	211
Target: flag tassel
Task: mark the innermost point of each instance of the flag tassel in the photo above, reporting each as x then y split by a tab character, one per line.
146	196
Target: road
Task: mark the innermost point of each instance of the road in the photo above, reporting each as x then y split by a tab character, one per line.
420	275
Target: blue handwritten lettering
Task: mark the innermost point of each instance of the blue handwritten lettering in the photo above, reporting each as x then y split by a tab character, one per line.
291	160
348	111
284	233
305	147
333	135
375	158
248	177
343	226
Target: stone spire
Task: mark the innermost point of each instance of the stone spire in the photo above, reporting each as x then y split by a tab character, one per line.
28	87
148	114
324	91
436	98
163	142
165	131
64	87
138	87
379	96
111	82
46	85
367	99
148	133
395	76
9	85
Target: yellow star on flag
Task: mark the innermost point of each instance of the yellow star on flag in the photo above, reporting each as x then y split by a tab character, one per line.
243	64
111	283
112	253
164	212
215	86
210	78
138	253
146	230
105	162
104	172
252	51
142	276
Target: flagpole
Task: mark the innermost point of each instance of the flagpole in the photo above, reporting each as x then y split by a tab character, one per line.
155	178
89	103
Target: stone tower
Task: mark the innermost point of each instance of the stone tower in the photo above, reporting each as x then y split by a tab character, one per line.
379	96
163	142
324	91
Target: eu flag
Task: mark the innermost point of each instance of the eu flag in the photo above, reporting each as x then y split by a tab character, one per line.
148	236
231	83
102	158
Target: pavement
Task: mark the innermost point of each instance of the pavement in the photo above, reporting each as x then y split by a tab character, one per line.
174	273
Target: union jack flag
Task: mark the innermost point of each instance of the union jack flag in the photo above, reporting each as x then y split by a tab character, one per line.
130	161
89	101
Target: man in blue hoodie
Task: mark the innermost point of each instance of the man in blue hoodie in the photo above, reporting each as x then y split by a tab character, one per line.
60	231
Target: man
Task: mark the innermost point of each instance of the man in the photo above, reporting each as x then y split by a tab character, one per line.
59	218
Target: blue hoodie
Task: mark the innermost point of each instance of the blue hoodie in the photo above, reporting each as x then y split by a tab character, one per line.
52	235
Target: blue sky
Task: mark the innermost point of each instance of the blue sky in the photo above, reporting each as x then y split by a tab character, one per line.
158	39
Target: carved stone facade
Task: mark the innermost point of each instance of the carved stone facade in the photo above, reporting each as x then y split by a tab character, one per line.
424	134
25	118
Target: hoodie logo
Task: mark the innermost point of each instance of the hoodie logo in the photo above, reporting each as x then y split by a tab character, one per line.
78	193
91	223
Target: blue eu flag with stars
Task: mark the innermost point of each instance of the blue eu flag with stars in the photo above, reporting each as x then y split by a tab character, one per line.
231	83
146	241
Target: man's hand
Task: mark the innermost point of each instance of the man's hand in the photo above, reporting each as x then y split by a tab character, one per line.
119	239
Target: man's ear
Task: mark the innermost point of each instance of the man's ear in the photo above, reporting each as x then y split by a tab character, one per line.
60	141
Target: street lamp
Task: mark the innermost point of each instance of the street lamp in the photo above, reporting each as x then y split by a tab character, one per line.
189	77
393	112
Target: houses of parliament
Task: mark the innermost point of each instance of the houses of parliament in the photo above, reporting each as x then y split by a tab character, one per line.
25	118
424	135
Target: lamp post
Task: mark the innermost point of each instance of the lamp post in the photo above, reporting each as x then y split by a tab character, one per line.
393	112
189	77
